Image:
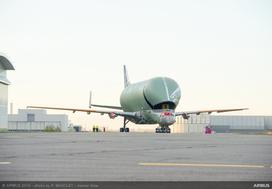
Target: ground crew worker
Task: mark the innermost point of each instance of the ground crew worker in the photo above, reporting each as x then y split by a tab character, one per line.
96	129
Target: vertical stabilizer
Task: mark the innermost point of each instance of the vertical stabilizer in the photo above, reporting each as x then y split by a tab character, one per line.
126	80
90	100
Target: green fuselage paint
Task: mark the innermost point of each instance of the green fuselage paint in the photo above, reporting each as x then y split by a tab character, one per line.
150	99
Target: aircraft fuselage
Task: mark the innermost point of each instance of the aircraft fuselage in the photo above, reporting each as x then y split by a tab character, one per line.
153	100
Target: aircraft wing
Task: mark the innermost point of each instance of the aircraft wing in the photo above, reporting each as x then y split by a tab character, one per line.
112	114
186	115
106	106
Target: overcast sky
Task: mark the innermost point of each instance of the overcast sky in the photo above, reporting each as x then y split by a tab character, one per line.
220	52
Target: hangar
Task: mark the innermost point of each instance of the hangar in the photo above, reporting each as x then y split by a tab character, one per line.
4	82
36	120
223	123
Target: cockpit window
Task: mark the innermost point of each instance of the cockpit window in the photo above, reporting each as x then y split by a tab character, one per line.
165	105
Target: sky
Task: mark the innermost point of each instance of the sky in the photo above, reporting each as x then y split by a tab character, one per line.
219	52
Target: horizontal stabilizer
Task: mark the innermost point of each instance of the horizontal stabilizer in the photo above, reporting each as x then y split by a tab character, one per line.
102	106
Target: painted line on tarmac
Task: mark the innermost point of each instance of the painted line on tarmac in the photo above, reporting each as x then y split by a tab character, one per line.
4	162
201	165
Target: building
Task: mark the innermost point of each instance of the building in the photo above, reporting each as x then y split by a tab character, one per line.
223	123
195	124
4	82
36	120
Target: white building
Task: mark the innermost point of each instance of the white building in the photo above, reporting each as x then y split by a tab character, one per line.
4	82
222	123
36	120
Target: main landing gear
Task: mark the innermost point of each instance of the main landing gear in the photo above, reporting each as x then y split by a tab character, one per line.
163	130
124	128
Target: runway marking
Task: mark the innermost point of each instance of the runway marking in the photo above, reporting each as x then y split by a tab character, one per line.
4	162
201	165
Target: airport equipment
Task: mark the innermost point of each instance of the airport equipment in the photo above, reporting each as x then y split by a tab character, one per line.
77	128
208	130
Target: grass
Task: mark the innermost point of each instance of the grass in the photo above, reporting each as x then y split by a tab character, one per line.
52	129
3	130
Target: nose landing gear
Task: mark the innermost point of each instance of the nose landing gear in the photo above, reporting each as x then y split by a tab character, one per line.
163	130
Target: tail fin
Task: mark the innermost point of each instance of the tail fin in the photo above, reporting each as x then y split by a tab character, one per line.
126	80
90	100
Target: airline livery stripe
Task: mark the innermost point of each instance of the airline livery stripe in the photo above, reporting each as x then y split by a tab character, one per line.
166	88
174	93
151	106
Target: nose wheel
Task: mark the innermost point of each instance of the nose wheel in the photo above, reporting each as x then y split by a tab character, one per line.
163	130
124	129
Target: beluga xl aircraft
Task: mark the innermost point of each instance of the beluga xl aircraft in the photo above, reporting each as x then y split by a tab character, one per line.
147	102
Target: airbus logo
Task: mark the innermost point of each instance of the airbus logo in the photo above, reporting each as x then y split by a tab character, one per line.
261	185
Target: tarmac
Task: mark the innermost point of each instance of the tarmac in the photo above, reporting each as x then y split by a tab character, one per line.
134	157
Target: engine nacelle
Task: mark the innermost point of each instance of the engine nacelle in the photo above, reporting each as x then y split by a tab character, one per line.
185	116
112	115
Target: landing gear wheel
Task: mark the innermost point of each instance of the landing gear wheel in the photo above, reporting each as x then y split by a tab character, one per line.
168	130
158	130
163	130
124	128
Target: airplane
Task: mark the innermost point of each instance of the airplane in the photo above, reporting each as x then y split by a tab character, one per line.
151	101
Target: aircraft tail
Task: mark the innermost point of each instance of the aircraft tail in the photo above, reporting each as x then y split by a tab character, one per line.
126	80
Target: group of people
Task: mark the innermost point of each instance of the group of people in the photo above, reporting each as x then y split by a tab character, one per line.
96	128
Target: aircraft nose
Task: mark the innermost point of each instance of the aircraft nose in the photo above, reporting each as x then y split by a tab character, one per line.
167	120
162	89
172	119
